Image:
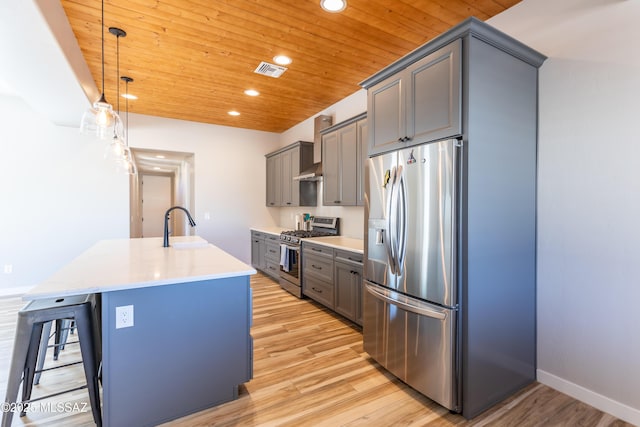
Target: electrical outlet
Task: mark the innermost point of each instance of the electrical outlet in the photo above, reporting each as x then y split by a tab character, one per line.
124	316
8	268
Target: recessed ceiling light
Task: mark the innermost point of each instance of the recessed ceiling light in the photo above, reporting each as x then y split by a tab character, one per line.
159	156
233	113
282	60
333	6
129	96
251	92
156	168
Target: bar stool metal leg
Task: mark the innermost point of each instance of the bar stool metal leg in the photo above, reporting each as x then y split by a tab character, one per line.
20	350
42	353
88	349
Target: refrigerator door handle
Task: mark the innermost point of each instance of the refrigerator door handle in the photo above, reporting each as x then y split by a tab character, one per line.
401	205
389	243
406	304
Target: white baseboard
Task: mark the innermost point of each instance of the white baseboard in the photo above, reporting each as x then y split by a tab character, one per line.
15	291
603	403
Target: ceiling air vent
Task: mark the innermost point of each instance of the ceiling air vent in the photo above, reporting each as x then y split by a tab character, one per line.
270	70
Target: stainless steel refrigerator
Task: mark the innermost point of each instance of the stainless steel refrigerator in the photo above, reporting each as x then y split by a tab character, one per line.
410	299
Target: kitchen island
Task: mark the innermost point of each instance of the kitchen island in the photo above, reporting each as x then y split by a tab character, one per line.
186	345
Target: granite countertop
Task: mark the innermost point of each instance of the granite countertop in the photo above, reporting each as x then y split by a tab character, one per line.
113	265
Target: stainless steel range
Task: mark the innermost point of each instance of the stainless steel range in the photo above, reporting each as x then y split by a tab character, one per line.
290	250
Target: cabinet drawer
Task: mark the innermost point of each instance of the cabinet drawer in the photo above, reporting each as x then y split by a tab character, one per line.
319	267
319	290
312	249
257	235
272	251
272	268
348	257
272	237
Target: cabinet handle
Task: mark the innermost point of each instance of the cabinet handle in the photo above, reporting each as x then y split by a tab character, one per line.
288	203
353	272
337	201
316	289
316	249
404	139
316	267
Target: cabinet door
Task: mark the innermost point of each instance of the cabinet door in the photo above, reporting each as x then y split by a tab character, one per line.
433	95
330	169
361	159
294	185
272	181
347	138
258	252
386	113
286	177
339	159
345	291
357	277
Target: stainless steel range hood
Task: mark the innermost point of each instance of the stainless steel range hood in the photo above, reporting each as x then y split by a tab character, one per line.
314	173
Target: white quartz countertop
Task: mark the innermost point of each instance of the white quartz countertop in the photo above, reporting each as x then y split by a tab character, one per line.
339	242
270	229
112	265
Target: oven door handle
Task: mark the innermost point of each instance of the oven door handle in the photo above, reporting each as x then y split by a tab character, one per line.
291	248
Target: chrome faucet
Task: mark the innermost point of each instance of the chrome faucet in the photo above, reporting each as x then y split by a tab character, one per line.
166	223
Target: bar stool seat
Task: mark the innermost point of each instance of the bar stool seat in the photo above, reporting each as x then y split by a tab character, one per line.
31	320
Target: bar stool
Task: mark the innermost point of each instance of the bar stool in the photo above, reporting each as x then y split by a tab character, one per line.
63	326
31	320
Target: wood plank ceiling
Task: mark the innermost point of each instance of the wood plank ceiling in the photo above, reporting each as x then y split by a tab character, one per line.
193	59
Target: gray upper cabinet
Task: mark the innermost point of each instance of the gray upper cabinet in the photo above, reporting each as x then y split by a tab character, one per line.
418	104
342	165
273	182
282	166
361	158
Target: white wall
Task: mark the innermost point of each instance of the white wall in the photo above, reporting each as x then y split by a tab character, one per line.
588	274
229	175
58	195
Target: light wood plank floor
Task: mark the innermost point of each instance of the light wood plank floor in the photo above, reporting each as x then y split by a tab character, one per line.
310	370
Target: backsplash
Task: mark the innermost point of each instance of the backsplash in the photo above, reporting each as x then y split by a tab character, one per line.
351	217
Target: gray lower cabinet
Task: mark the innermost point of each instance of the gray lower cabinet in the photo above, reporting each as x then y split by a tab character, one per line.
272	256
418	104
282	166
342	164
258	250
348	285
333	277
317	273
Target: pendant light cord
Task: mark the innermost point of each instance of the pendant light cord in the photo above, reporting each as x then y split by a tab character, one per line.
118	70
102	24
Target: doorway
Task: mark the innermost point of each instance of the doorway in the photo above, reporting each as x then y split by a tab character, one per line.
156	197
164	179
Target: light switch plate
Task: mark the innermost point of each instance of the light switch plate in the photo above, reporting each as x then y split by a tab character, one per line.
124	316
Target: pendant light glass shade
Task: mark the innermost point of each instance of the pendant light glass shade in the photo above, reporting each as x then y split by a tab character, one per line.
100	118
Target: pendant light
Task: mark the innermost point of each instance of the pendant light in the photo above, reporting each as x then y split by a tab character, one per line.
99	119
115	150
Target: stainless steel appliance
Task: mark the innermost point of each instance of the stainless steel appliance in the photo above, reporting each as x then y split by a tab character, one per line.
411	301
290	250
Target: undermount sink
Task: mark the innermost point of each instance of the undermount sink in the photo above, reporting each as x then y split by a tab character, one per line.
190	245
